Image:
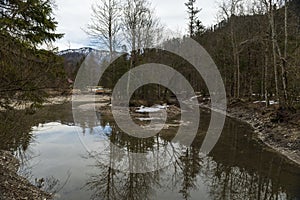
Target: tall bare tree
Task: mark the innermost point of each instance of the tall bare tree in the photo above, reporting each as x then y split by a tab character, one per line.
141	27
284	59
105	24
270	9
230	9
270	6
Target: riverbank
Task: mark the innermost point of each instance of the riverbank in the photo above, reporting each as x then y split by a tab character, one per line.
49	101
277	128
13	186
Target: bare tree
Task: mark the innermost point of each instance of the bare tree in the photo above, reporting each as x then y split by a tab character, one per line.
284	59
270	6
270	9
141	27
105	24
230	9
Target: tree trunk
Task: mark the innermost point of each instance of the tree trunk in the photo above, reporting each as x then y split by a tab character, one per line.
238	74
266	76
272	24
284	61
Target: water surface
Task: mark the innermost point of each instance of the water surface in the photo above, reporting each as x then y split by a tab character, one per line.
53	149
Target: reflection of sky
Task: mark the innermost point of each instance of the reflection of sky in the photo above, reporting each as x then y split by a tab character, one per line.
59	150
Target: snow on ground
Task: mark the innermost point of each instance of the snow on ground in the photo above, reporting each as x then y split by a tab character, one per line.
152	109
149	119
195	97
271	102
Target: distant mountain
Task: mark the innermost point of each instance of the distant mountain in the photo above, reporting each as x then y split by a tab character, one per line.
73	58
83	51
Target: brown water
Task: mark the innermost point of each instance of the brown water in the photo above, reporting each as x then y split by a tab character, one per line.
49	144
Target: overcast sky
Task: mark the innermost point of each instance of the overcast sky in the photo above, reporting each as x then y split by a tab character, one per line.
74	15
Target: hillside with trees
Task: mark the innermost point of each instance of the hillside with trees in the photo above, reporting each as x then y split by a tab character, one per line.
257	51
255	46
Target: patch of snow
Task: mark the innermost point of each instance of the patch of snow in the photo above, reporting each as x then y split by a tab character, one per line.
162	106
155	127
182	123
149	119
195	97
148	110
153	109
271	102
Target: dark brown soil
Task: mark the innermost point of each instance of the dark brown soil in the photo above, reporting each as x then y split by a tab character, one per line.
278	127
13	186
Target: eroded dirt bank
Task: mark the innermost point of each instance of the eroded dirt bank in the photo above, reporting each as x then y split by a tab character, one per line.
13	186
278	128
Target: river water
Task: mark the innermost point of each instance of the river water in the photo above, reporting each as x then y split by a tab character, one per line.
53	151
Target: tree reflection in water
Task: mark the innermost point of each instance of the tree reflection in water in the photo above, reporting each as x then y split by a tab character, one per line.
237	168
16	136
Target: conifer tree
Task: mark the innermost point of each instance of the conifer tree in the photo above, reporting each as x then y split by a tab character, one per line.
25	71
194	24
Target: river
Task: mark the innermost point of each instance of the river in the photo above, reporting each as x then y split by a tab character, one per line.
53	152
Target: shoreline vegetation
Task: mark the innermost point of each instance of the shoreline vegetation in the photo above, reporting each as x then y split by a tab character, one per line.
17	105
283	137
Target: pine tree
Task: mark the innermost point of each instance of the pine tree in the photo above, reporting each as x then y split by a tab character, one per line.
30	21
194	23
25	71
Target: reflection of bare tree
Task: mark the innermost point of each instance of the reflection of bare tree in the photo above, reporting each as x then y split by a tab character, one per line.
191	166
103	184
237	168
226	176
245	170
234	183
112	184
50	184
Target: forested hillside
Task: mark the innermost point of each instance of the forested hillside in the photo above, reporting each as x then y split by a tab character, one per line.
258	53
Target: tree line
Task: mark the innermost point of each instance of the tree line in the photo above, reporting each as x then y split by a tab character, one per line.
255	44
256	47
